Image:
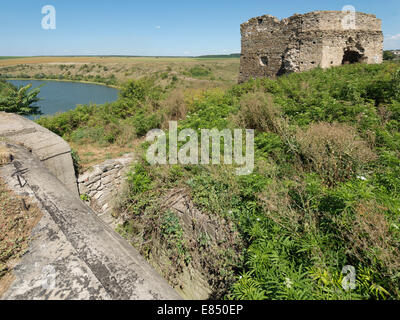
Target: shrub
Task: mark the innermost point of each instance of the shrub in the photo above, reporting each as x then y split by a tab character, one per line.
388	55
76	161
18	100
372	238
335	151
39	76
257	111
139	180
139	91
200	71
175	106
144	121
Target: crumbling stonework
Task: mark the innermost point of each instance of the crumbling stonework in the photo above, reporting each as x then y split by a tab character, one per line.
102	183
273	47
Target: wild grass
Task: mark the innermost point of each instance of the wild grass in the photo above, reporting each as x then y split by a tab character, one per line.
325	190
334	151
5	154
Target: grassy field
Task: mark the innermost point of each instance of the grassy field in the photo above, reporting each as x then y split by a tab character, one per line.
12	61
7	58
185	72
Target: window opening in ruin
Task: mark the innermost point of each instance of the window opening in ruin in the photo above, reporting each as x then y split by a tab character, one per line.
264	61
351	57
260	21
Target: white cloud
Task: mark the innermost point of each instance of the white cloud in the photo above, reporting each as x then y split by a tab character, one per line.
395	37
392	41
186	53
158	27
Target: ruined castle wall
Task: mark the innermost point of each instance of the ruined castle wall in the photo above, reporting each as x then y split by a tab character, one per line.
311	44
271	47
369	45
334	21
263	42
366	37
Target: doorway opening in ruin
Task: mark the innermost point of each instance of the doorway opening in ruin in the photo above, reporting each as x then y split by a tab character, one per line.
351	57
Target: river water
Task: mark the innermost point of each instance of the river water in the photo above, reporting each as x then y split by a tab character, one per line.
59	96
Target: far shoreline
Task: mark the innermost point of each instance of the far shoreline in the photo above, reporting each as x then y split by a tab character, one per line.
65	80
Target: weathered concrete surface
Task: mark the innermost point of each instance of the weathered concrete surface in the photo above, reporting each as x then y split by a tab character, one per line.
272	47
73	254
47	146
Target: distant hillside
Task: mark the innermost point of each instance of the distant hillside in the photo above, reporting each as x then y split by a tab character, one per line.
4	58
233	55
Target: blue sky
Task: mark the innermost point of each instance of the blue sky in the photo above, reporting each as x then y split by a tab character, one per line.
157	27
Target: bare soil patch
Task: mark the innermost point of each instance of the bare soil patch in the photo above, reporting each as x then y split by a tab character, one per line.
18	216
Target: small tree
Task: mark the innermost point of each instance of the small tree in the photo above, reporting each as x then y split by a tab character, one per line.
19	100
388	55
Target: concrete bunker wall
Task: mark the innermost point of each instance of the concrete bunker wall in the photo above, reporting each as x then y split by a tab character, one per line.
272	47
52	150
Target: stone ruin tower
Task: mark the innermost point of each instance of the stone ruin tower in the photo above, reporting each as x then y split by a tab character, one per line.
273	47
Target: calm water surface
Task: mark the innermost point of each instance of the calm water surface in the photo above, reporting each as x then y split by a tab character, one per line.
58	96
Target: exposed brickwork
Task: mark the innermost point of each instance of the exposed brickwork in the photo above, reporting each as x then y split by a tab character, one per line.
272	47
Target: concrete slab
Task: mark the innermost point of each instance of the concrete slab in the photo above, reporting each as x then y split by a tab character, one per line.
73	253
51	149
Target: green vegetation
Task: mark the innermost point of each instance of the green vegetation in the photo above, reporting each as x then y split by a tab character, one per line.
133	115
6	58
218	56
18	100
388	55
172	232
325	192
199	71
